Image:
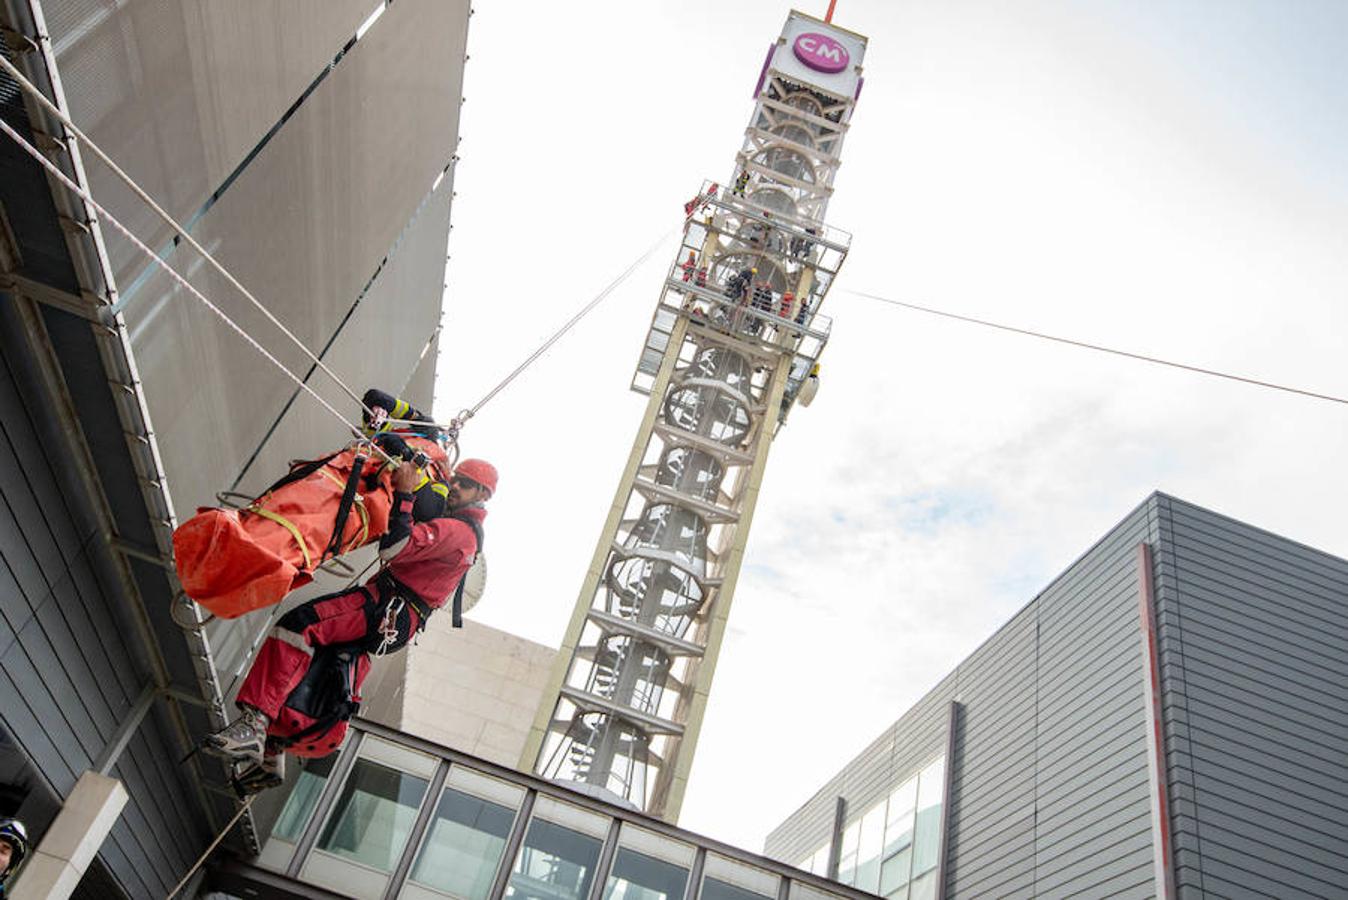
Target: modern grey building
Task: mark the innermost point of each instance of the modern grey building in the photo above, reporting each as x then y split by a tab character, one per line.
310	146
1167	718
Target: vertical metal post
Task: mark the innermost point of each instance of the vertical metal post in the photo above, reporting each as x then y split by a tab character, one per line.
325	802
512	847
946	796
695	874
126	730
835	842
1162	861
606	854
428	805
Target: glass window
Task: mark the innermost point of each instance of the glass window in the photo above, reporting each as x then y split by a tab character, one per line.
730	879
636	876
899	820
927	831
374	815
303	798
923	887
464	845
715	889
894	872
805	892
847	860
869	844
555	862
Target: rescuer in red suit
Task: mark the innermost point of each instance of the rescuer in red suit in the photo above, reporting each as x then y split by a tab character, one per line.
426	552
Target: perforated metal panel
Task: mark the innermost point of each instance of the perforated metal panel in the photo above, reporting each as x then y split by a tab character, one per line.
178	93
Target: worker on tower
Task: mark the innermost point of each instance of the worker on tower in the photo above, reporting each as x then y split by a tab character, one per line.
741	182
13	848
426	552
690	265
737	285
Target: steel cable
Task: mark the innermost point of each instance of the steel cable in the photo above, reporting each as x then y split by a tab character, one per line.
238	329
1099	348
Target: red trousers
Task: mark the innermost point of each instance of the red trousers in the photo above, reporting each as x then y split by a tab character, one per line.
349	617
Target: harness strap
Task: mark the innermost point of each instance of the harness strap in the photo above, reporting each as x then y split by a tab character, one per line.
300	469
343	710
456	607
391	588
288	526
344	509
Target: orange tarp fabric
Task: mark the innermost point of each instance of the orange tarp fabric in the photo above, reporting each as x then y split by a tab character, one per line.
235	561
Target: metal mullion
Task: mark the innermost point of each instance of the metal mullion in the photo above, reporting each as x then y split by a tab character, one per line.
512	847
606	855
326	799
414	838
695	874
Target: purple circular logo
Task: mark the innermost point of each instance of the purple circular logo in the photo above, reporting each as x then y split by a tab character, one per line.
821	52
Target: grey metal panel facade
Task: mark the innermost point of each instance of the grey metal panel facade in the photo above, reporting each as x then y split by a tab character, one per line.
381	339
1050	792
178	93
67	670
1049	783
208	83
304	226
1255	677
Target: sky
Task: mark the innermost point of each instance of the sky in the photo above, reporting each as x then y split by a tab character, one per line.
1165	178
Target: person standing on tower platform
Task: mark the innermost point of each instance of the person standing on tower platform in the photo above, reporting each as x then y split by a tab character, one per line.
741	182
426	551
689	265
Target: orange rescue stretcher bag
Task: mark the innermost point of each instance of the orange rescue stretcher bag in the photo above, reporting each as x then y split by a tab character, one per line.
235	561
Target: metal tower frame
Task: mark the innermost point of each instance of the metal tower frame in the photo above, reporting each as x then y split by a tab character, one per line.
734	340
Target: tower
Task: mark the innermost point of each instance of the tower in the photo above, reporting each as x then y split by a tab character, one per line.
732	347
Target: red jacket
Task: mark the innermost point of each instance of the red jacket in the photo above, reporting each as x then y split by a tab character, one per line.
429	557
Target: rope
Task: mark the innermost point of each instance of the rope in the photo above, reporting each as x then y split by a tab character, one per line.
464	415
218	838
1102	349
33	91
182	282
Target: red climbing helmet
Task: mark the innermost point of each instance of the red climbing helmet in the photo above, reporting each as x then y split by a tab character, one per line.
481	471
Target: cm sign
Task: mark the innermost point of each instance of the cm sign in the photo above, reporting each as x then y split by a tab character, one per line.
821	52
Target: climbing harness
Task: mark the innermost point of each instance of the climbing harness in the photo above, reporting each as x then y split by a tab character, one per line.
388	626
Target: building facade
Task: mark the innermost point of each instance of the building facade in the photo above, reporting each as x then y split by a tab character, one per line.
310	147
394	815
1166	719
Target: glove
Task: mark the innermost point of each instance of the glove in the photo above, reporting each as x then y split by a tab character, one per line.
395	446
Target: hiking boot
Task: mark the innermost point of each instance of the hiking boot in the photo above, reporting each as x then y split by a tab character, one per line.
242	739
269	772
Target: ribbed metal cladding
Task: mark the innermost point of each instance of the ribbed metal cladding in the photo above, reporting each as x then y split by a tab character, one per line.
1051	793
1254	662
1048	781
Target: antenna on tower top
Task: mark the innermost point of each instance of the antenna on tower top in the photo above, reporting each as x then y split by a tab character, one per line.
828	16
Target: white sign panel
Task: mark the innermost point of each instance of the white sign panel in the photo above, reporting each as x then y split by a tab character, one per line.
814	53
